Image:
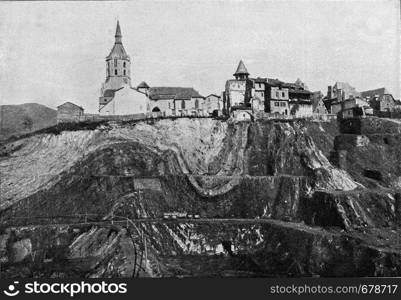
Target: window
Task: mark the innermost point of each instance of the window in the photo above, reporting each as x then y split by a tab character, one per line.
196	103
124	64
282	104
115	72
115	62
183	104
276	103
262	94
277	95
169	105
125	73
283	94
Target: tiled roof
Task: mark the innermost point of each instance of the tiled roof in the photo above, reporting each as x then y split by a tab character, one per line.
143	85
343	85
372	93
259	79
241	69
108	93
295	91
70	104
276	81
118	51
212	95
294	86
160	93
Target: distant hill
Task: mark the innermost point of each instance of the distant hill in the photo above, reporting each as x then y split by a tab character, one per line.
25	118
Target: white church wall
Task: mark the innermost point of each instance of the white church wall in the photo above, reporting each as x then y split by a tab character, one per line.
125	102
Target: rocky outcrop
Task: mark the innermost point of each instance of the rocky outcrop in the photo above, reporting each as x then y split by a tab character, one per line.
261	188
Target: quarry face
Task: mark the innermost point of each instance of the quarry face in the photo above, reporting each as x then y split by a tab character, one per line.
272	198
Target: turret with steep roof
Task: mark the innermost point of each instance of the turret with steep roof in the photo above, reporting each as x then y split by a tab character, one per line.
242	72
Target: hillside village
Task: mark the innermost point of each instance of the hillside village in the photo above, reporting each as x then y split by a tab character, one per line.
208	190
243	98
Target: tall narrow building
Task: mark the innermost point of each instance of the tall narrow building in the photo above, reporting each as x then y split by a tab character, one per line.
118	64
238	90
118	69
117	97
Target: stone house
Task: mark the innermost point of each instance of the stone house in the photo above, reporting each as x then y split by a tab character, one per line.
288	98
213	104
277	98
341	91
259	87
349	104
318	106
379	99
241	115
300	100
238	91
69	111
176	101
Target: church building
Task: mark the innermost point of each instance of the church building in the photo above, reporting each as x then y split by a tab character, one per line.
118	97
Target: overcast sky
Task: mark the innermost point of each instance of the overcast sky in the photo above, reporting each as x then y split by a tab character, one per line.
52	52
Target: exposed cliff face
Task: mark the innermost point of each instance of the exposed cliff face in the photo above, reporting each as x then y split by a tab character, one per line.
261	171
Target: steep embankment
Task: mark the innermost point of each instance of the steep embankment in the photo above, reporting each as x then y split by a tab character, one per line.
279	175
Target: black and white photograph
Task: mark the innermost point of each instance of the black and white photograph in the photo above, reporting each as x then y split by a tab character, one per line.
199	139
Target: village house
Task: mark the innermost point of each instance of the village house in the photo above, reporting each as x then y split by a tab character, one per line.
266	95
277	97
380	99
176	101
288	98
340	91
347	107
318	106
300	100
213	105
258	94
238	91
69	111
242	115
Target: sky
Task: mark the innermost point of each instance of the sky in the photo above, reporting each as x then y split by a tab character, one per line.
52	52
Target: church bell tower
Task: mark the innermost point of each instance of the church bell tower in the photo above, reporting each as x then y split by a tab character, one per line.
118	65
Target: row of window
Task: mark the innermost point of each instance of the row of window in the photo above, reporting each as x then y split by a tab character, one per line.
183	104
116	72
280	104
278	94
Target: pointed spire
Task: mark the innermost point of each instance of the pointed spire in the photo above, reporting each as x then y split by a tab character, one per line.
241	70
118	35
118	50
